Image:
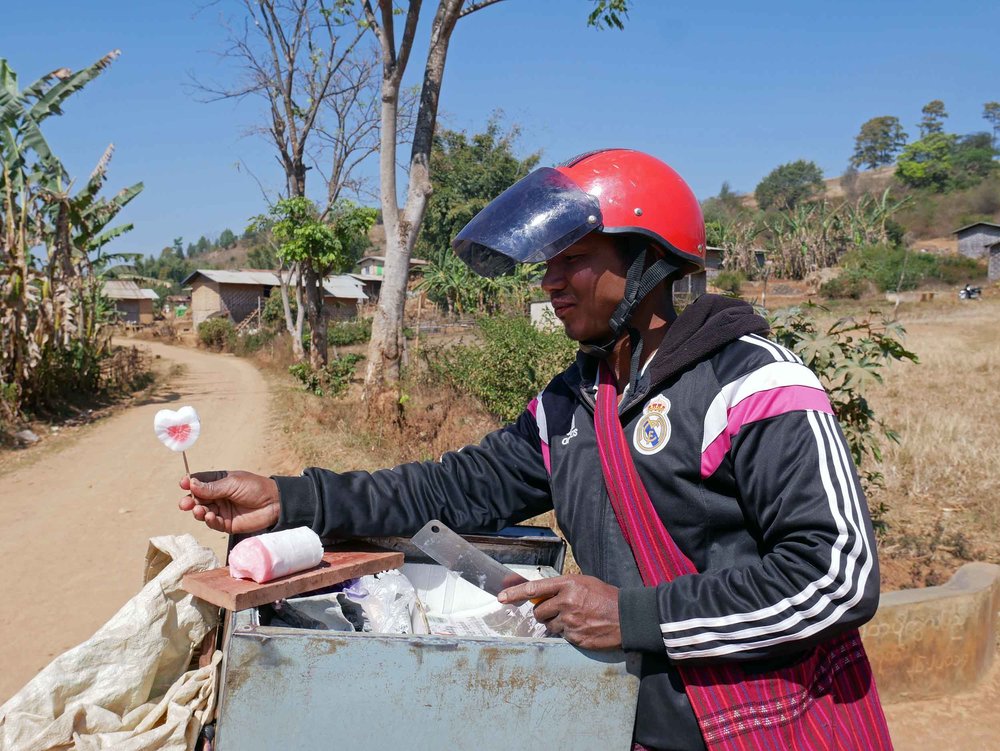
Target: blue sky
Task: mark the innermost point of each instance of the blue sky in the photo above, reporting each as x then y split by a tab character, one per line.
721	90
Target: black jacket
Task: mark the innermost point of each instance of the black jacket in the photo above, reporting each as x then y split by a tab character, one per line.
738	448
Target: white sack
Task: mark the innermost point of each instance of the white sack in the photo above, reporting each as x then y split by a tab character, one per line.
125	687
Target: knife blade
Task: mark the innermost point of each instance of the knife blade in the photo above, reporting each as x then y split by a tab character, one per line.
465	559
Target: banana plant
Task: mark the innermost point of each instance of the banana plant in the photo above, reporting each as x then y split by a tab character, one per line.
52	330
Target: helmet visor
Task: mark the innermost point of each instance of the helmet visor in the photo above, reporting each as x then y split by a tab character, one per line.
535	219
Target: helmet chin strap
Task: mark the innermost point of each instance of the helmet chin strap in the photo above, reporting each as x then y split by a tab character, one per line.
638	284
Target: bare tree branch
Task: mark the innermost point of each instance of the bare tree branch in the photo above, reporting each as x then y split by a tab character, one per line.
304	59
478	6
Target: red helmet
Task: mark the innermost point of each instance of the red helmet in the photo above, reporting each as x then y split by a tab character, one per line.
612	191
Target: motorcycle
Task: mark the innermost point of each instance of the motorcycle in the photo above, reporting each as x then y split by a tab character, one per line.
968	292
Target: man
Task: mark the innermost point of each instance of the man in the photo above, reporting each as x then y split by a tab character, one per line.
730	440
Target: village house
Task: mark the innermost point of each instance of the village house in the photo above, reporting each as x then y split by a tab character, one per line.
371	270
133	303
994	267
981	240
241	294
975	240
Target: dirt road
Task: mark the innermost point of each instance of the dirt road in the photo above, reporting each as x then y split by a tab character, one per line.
76	521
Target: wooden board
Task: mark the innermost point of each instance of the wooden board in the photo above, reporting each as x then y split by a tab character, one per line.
219	588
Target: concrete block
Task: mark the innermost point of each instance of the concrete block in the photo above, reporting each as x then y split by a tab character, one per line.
931	642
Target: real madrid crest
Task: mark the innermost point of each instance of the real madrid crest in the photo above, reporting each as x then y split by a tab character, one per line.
653	429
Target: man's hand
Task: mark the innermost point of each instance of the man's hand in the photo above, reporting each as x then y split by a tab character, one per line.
583	609
234	502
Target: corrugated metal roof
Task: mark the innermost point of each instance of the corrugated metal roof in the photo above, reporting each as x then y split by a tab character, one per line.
342	286
224	276
974	224
124	289
381	259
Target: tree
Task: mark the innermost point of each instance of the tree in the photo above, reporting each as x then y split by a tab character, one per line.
788	185
466	174
878	142
402	228
227	239
933	119
972	159
179	247
927	163
290	51
307	61
262	256
723	209
307	242
991	113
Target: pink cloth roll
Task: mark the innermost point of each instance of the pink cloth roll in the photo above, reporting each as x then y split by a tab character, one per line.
276	554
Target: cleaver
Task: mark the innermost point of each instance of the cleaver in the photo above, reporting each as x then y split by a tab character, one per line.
465	559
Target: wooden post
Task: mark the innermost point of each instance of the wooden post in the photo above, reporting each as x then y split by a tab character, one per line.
416	338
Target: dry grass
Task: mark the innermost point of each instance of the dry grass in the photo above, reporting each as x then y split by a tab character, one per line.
943	479
333	433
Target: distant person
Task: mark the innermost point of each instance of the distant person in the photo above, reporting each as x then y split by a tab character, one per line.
695	466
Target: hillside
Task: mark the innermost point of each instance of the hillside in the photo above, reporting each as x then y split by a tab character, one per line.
836	188
234	257
868	181
929	219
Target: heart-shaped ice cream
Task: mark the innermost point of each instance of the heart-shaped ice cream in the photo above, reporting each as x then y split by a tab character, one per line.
178	430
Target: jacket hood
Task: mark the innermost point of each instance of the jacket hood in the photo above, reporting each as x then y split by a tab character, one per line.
706	325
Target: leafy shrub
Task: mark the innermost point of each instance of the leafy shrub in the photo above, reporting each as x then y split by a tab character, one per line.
9	410
333	380
846	285
273	313
344	333
247	344
957	269
216	333
512	362
730	282
848	357
339	372
888	267
309	378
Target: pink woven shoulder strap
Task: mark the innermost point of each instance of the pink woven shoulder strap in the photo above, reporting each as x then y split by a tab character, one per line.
828	700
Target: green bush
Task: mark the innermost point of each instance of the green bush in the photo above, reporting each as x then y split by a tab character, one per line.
510	364
247	344
957	269
846	285
217	333
730	282
344	333
273	313
333	380
890	268
848	358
